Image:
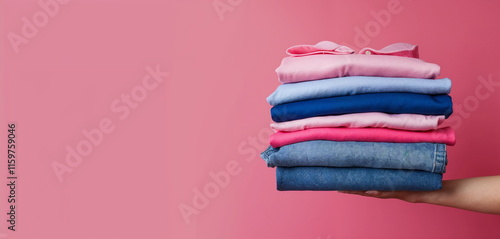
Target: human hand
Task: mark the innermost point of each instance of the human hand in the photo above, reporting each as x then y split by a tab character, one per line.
480	194
408	196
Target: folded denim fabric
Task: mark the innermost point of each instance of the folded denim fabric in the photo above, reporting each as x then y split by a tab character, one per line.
315	67
353	85
413	122
358	179
429	157
393	103
444	135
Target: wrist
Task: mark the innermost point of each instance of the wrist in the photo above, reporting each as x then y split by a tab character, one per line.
433	197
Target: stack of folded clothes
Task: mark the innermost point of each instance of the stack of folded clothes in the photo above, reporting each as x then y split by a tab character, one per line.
365	121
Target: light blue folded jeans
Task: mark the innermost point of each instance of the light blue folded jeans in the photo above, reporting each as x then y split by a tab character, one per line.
332	179
429	157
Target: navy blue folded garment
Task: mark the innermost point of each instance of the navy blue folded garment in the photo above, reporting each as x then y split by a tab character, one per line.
357	179
392	103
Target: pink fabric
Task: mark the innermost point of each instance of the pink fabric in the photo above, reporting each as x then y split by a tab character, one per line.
396	49
360	120
315	67
324	47
328	47
443	135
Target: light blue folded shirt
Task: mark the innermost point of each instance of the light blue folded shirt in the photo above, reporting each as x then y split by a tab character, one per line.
353	85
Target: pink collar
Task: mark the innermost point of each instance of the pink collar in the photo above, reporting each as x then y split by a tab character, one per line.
328	47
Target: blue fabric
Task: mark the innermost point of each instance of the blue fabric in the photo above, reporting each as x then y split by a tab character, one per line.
353	85
392	103
429	157
331	179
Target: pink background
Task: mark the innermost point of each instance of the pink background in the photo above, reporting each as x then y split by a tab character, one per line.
210	112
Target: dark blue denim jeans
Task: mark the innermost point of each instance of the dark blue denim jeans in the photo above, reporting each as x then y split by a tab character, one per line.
416	156
332	179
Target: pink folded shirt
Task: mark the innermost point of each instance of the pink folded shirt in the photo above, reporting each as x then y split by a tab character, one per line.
315	67
328	47
324	47
414	122
396	49
443	135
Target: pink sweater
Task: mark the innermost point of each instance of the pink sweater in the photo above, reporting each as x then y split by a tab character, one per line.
443	135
